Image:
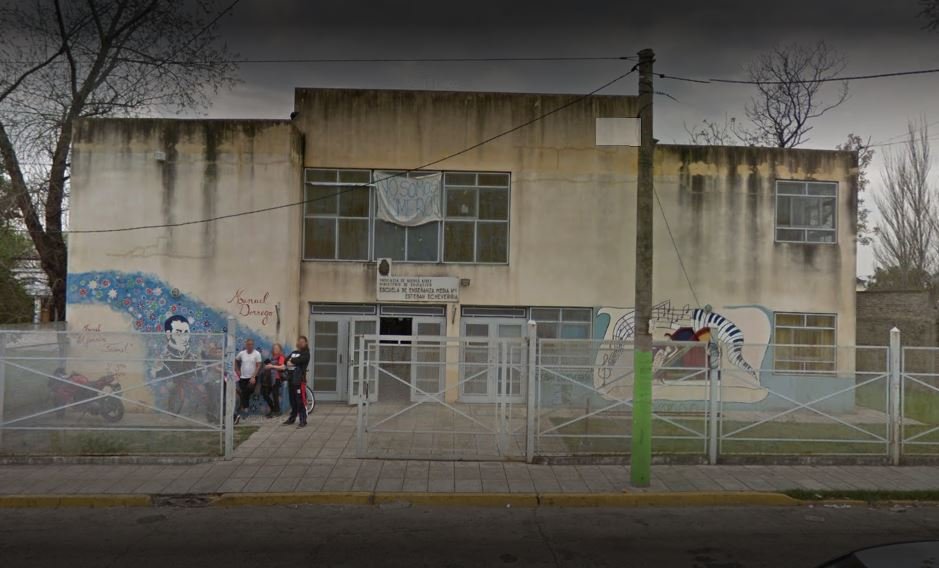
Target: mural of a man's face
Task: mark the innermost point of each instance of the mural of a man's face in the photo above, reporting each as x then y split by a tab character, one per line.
177	335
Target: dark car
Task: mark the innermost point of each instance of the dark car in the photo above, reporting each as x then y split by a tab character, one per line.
902	555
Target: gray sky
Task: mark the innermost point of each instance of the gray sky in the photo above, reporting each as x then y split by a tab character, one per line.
703	39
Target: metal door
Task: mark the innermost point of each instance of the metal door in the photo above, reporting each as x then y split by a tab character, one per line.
330	355
488	373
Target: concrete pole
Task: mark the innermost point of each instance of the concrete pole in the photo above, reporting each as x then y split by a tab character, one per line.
895	410
641	458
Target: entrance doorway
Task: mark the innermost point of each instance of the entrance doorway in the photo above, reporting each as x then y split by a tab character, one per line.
395	357
333	328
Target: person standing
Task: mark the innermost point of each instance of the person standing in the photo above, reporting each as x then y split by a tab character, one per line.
296	365
247	365
273	382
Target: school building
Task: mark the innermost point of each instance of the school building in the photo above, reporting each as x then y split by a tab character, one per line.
318	226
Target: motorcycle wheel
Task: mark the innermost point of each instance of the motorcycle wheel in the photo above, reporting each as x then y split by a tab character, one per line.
112	410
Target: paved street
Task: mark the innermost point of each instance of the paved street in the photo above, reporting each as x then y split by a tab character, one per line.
393	536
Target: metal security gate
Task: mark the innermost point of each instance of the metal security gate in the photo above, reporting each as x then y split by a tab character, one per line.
436	420
486	396
918	430
837	409
583	405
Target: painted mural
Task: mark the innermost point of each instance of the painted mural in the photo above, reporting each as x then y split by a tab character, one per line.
149	304
742	333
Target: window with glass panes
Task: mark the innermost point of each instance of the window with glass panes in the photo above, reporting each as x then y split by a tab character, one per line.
410	244
805	342
806	211
563	323
340	221
337	212
476	224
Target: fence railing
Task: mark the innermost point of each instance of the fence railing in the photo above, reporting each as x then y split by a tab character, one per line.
711	402
100	393
440	397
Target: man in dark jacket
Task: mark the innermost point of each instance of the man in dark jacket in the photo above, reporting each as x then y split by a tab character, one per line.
297	362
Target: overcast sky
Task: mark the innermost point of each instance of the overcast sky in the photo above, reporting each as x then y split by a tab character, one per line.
703	39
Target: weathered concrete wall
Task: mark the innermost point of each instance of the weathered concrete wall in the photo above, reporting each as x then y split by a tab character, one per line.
244	266
572	204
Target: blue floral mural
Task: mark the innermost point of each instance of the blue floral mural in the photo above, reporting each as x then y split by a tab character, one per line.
152	304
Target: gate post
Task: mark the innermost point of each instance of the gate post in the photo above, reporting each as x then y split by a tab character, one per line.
894	412
361	376
530	410
714	391
228	388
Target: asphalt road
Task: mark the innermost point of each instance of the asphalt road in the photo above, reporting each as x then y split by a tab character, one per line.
269	537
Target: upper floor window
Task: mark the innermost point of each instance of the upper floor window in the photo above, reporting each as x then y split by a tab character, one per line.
805	342
476	210
805	211
341	220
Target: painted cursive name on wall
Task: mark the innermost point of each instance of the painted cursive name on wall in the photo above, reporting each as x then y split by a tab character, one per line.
252	306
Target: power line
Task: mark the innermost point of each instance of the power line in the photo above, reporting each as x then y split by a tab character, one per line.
821	80
432	60
681	261
313	61
358	186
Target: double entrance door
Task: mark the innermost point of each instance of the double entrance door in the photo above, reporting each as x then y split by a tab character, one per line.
408	371
493	360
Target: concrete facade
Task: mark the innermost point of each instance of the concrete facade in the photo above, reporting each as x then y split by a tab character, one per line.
571	220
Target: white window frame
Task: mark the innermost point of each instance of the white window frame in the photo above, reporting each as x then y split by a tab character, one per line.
560	321
441	225
475	220
803	196
337	217
795	346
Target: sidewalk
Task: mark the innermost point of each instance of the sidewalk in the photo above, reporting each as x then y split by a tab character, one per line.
321	458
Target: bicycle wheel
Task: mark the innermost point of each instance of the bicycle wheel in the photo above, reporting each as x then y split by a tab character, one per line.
310	400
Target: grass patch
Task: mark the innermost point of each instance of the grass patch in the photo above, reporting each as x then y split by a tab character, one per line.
840	439
862	495
117	443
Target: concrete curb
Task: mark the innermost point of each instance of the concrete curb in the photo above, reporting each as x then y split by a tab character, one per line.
60	501
520	500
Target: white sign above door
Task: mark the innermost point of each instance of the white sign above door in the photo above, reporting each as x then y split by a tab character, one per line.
418	289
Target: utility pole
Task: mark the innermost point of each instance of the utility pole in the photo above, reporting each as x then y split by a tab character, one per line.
641	458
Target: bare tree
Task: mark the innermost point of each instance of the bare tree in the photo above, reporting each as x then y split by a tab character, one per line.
865	155
907	236
790	81
929	11
712	133
64	61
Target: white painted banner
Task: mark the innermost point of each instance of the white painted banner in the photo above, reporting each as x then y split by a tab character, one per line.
418	289
408	201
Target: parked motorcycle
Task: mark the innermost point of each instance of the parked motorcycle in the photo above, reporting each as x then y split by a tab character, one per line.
75	387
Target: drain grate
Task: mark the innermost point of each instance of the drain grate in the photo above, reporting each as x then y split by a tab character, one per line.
190	501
